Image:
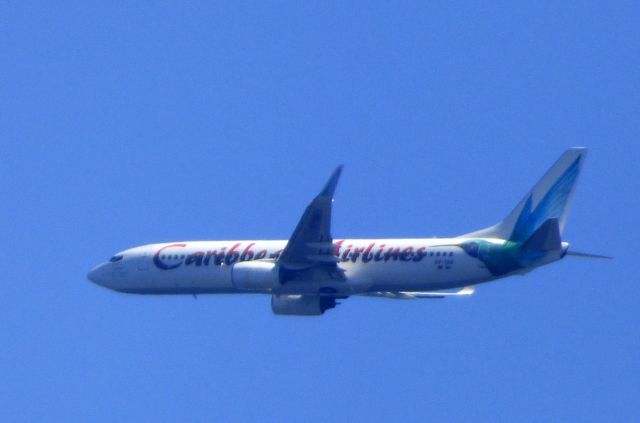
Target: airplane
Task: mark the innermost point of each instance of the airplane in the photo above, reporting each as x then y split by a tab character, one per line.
311	271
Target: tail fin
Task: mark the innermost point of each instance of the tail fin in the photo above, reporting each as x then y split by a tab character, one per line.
550	198
546	238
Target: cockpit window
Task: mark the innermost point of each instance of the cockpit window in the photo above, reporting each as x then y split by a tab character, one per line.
115	258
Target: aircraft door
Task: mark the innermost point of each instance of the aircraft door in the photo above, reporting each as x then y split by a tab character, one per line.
143	261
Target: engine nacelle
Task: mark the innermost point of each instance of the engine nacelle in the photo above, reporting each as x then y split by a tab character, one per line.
301	305
258	276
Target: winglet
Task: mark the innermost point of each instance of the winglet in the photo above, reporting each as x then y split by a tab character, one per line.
330	188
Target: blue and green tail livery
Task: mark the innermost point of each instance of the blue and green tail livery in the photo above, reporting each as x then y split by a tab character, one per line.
550	198
531	233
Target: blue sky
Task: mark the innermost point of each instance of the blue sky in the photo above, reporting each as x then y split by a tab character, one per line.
128	123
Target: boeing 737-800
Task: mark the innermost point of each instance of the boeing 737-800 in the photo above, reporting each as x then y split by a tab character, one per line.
309	272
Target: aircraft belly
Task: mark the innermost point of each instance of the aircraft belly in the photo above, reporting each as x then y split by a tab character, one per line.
457	271
195	279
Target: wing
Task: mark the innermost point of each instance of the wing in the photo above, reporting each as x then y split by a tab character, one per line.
411	295
311	245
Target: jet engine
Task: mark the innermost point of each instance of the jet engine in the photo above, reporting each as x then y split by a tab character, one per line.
255	275
301	305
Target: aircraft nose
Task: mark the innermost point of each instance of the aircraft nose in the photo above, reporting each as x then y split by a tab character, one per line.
97	275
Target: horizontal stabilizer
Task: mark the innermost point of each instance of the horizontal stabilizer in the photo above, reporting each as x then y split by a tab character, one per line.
587	255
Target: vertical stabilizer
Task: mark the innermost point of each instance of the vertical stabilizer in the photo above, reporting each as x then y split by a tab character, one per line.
550	198
545	239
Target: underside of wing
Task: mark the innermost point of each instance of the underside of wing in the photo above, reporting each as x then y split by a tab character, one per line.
412	295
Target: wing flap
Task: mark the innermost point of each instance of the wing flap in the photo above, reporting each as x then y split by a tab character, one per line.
467	290
412	295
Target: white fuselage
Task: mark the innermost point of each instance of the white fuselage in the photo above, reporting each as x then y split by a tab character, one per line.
369	265
307	273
